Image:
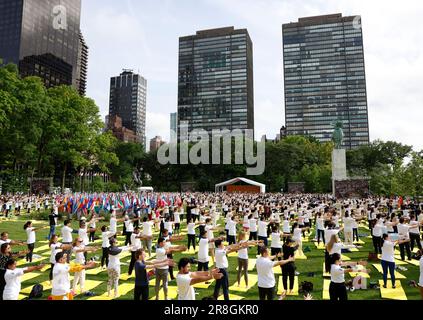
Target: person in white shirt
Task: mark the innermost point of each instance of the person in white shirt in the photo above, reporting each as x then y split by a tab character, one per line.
329	232
80	251
186	279
136	238
191	233
162	273
106	235
177	220
388	259
232	230
30	232
113	268
265	273
222	264
61	281
129	227
203	252
414	232
243	257
13	281
252	221
337	288
67	237
377	233
55	248
348	228
404	235
297	237
320	228
147	232
4	238
262	231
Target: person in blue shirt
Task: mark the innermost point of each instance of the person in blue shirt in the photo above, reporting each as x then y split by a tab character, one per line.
142	277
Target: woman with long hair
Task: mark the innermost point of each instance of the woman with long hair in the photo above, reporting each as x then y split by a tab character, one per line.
30	233
56	247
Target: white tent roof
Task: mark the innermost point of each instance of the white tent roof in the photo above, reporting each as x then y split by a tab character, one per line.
247	181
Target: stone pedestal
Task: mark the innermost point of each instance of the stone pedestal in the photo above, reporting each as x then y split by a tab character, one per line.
339	166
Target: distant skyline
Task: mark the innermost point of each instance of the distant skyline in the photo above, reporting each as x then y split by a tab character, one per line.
143	35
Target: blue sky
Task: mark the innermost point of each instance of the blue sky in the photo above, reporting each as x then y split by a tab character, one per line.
143	35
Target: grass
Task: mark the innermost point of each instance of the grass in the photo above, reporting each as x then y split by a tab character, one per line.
312	264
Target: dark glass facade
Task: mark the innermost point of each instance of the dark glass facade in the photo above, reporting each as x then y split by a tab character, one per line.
325	78
215	86
30	37
128	100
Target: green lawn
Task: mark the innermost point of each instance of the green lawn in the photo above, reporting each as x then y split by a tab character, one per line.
313	264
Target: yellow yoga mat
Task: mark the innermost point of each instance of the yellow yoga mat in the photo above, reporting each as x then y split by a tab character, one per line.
204	285
233	254
362	274
126	277
42	248
359	242
191	251
294	291
123	289
412	261
393	294
277	270
321	246
29	276
172	293
89	285
397	274
95	271
21	297
300	257
353	249
46	286
326	284
23	261
345	258
251	264
252	281
232	297
325	275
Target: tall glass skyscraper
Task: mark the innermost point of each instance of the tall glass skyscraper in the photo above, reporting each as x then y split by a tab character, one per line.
128	100
215	87
173	127
43	38
325	78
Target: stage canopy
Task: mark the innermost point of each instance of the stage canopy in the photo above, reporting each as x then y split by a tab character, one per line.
241	185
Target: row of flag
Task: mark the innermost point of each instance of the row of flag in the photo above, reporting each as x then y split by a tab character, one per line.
98	202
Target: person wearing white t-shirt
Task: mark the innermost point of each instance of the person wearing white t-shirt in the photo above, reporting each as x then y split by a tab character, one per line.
61	287
252	221
113	268
222	264
403	234
30	232
337	288
13	281
265	273
4	238
80	251
377	234
203	252
232	230
136	238
106	235
177	220
262	231
186	279
296	236
388	259
243	257
191	233
55	248
67	237
348	228
414	232
329	232
320	228
147	232
163	250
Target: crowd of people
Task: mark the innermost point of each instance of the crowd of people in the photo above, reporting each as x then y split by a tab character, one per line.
219	224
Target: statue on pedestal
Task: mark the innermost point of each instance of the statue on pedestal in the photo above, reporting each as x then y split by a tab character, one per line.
338	134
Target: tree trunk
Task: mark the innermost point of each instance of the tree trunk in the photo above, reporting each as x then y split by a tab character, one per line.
64	177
